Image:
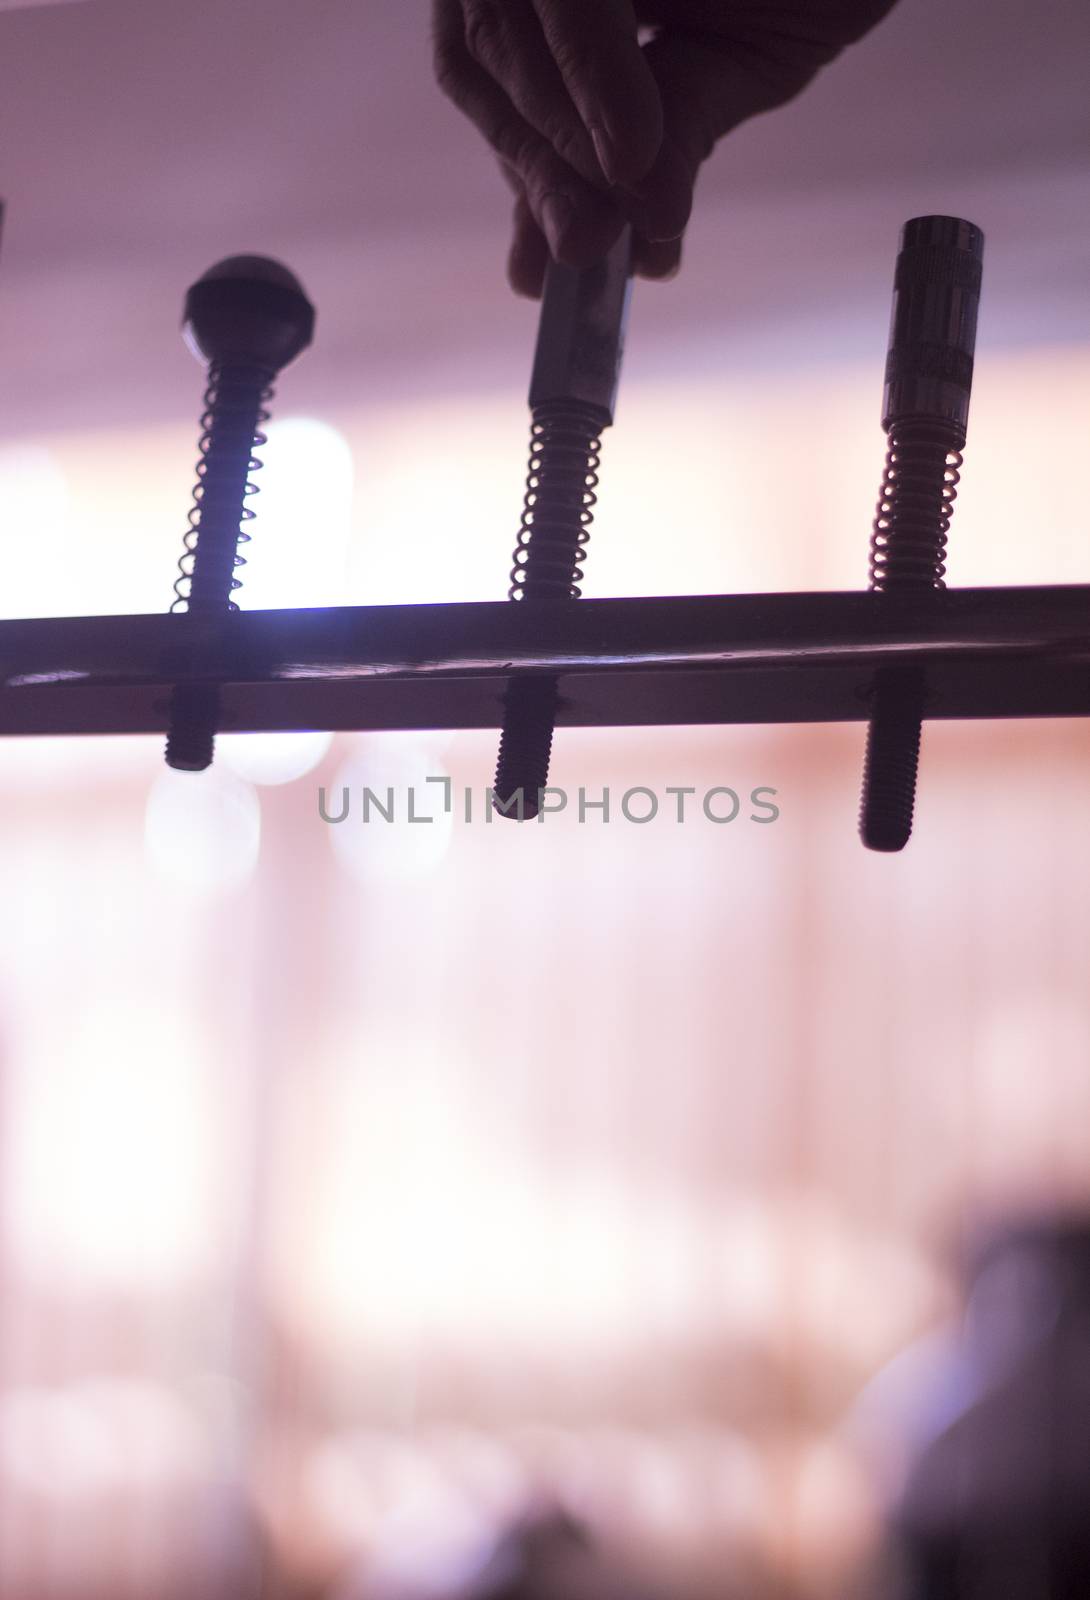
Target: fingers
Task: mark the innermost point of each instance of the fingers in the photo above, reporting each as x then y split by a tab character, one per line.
660	206
594	129
711	80
708	84
656	258
595	46
579	221
505	38
749	59
529	254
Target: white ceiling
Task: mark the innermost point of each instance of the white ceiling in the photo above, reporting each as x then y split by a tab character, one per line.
141	140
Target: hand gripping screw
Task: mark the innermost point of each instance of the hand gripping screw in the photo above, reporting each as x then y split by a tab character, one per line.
573	391
246	318
929	371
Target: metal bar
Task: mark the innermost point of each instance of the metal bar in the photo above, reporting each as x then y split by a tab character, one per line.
810	657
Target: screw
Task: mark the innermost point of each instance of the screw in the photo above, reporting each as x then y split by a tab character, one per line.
246	319
929	371
573	392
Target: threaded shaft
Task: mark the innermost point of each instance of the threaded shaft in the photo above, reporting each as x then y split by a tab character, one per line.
892	760
557	512
230	432
925	409
194	716
245	319
908	549
526	743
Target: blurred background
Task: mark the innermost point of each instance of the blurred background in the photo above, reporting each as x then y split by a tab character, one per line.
391	1211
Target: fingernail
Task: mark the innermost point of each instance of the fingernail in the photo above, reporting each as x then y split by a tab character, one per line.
607	155
557	212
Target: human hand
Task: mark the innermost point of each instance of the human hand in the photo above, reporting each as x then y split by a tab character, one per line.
594	129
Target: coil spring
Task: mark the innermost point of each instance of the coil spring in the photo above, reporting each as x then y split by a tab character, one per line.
229	428
558	507
916	502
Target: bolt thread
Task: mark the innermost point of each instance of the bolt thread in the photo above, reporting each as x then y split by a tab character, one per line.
891	761
908	550
194	716
558	506
525	746
234	410
915	505
553	534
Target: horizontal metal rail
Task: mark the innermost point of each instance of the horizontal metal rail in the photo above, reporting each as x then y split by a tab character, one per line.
760	658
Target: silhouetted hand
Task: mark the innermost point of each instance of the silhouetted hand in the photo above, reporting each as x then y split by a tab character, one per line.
593	128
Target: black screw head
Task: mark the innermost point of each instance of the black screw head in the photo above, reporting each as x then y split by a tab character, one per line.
249	309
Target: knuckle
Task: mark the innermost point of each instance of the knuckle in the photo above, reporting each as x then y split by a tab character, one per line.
516	147
447	48
484	31
537	169
447	68
567	57
571	145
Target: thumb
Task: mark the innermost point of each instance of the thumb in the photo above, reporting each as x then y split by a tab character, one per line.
708	85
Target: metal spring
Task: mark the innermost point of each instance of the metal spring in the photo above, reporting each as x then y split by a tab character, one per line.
228	428
558	507
916	502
